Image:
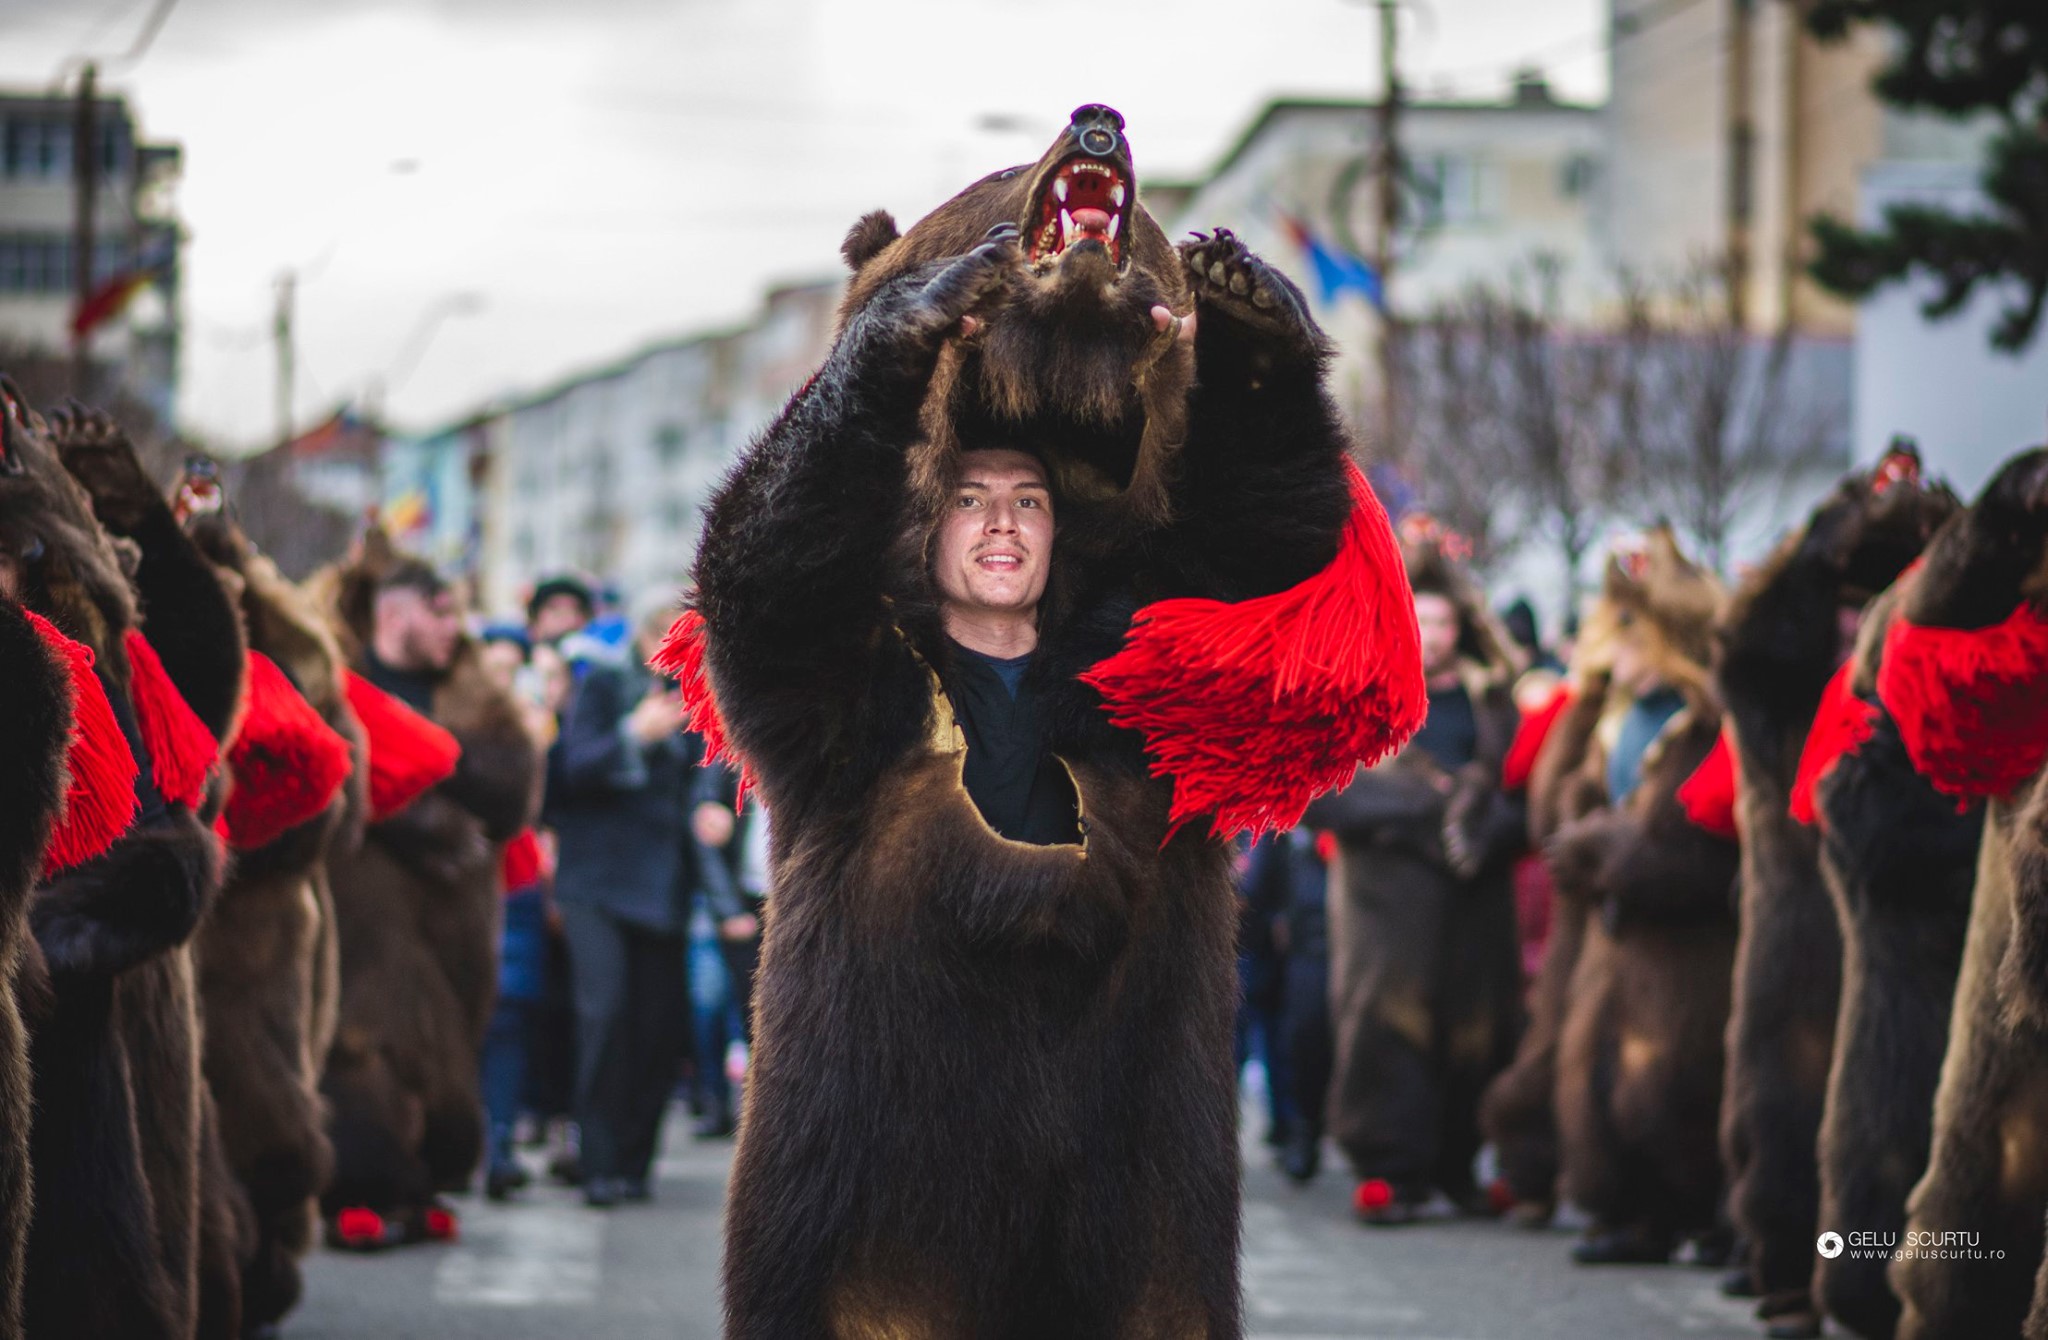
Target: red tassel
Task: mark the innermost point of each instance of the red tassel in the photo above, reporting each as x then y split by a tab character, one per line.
1841	725
1255	708
181	749
524	862
1708	796
288	763
409	755
1971	703
100	802
1530	733
681	658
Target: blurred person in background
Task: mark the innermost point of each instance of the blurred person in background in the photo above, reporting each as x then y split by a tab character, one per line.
618	800
1261	980
528	868
1287	881
732	856
559	606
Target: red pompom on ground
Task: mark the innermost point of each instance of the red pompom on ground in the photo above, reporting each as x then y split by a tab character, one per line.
441	1225
1372	1195
1708	796
288	763
1840	727
181	749
1254	708
1971	704
359	1228
1500	1197
409	755
100	801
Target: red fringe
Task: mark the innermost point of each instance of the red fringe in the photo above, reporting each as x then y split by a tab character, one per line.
681	658
524	862
1255	708
1840	726
181	749
288	763
409	755
1971	703
1708	796
1530	733
100	801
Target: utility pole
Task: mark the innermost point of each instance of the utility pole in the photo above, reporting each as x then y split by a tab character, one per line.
281	339
1388	193
85	176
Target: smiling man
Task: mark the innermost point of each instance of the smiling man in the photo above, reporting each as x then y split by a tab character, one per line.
991	557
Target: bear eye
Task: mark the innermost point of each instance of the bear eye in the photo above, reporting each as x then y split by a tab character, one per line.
1005	176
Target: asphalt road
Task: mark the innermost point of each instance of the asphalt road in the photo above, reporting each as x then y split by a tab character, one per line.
545	1268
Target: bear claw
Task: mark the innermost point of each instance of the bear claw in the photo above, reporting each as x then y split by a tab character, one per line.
1226	275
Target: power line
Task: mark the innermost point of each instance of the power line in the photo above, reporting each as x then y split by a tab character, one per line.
145	37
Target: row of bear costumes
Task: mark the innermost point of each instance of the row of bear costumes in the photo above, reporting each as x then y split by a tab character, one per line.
1796	978
247	905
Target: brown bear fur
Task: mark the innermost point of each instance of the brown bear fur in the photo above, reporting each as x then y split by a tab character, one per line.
1640	1054
1425	977
267	978
1518	1112
1899	860
114	1240
1060	1026
35	724
1775	648
1987	1170
417	909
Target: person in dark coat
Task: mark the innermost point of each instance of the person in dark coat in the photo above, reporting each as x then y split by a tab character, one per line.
618	800
1287	884
732	886
1425	970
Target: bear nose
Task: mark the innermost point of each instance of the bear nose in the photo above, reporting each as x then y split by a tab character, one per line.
1094	128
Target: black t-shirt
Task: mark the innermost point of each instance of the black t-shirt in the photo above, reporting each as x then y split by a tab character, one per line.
1011	775
1450	733
414	688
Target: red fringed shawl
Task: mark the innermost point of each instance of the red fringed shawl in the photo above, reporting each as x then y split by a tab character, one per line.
1530	733
409	755
681	658
1256	708
288	763
1971	704
523	862
1841	725
100	802
1708	796
181	749
1253	708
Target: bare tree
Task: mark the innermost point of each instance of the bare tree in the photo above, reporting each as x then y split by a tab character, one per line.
1730	418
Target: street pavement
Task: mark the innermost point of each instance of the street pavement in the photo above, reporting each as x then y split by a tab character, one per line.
546	1268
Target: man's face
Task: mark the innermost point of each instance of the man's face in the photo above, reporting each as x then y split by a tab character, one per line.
1635	672
424	628
995	540
558	616
1438	619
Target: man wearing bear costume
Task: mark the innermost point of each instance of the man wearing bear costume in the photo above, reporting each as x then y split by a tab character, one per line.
991	1093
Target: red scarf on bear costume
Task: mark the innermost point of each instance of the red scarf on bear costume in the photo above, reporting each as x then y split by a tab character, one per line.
287	761
181	749
100	802
1530	733
409	755
1971	703
1708	796
1841	726
1253	708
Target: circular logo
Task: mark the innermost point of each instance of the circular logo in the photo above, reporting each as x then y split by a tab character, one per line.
1830	1245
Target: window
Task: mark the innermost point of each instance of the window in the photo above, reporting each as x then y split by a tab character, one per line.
668	443
39	148
1577	176
35	263
1454	189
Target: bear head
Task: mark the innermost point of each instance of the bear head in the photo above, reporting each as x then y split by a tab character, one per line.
1071	365
58	559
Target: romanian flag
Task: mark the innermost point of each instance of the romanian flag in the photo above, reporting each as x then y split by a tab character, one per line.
110	299
1337	271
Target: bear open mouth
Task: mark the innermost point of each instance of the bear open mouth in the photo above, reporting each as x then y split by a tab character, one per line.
1085	200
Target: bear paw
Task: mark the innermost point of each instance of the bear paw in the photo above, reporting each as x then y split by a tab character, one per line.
1229	281
100	456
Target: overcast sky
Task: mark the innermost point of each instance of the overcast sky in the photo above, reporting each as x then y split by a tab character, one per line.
599	173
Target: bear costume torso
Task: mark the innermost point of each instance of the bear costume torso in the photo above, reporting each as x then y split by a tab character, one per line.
991	1093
